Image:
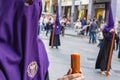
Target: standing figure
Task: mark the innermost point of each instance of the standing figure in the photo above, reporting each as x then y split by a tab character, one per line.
48	27
100	37
104	53
63	25
41	25
55	33
118	34
83	23
87	29
22	53
63	29
92	32
102	25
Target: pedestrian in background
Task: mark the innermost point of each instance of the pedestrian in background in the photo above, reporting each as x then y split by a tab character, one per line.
83	23
118	34
62	29
41	24
102	25
49	27
46	20
63	24
92	31
100	37
88	23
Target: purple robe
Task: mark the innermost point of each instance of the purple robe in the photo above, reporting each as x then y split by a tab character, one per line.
110	24
22	53
57	23
103	56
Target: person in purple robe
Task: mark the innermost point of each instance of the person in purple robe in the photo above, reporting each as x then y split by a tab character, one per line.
108	31
22	53
56	30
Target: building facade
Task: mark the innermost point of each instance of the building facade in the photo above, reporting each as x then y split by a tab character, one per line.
84	8
99	9
80	9
49	6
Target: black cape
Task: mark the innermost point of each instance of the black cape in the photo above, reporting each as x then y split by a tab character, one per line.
56	41
102	59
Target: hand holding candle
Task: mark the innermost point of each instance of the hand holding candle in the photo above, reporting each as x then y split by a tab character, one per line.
74	72
75	63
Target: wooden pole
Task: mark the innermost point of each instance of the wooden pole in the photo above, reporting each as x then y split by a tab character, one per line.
52	40
110	55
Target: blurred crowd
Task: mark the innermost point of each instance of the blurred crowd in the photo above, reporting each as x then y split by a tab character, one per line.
46	23
91	28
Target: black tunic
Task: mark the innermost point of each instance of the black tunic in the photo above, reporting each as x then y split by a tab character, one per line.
56	41
102	59
47	76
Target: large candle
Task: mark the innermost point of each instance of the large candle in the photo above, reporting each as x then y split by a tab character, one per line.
75	63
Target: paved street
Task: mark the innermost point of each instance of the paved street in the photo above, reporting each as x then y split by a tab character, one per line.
60	58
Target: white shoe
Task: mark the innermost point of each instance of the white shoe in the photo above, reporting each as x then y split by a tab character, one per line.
109	73
103	72
118	59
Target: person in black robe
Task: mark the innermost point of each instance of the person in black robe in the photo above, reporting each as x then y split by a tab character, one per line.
56	31
56	39
102	59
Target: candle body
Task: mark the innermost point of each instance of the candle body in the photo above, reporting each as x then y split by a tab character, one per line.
75	63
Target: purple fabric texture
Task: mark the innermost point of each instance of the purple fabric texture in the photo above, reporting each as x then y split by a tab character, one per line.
22	53
57	22
110	23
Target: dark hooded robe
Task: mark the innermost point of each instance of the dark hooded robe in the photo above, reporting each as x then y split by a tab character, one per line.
22	53
102	59
56	30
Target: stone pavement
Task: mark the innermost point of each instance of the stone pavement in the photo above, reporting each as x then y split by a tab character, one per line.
70	31
60	58
73	32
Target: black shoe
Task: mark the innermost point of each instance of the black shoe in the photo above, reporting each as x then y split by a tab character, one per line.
56	47
89	42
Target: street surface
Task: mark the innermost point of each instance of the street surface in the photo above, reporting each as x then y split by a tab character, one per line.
60	58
